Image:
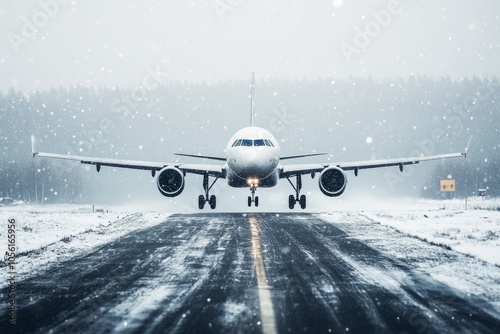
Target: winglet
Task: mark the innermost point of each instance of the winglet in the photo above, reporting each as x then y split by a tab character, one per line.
252	103
467	148
33	144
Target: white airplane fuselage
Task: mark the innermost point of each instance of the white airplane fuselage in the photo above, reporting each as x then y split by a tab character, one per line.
253	156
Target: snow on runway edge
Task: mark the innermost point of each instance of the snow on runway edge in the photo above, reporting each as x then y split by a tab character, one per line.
405	235
48	235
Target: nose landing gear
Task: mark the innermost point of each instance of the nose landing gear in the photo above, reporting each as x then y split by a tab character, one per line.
253	183
253	198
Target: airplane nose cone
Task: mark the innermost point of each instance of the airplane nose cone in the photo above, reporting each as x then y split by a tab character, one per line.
253	165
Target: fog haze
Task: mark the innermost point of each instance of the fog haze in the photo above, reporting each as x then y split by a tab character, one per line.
111	43
357	80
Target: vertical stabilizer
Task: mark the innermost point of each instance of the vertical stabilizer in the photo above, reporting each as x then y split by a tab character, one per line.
252	103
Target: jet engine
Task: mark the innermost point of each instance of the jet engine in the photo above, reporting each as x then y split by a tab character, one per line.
332	181
170	181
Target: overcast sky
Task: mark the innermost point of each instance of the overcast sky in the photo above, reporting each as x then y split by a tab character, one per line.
116	43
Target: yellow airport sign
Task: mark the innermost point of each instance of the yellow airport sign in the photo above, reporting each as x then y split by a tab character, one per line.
447	185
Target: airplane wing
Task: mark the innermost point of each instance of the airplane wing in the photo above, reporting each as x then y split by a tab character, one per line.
212	170
300	169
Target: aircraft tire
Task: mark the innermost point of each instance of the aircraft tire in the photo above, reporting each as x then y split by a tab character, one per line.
212	202
302	201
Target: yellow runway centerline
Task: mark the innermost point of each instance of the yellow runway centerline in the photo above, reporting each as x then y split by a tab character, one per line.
265	303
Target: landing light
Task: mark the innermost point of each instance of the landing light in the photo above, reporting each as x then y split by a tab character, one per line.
253	182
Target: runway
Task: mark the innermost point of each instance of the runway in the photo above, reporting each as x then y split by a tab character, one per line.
243	273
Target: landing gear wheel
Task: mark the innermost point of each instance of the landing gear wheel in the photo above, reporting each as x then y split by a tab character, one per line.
212	202
249	201
204	199
297	198
256	201
201	202
302	201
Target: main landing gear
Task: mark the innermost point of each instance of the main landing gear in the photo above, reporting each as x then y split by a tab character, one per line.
253	198
301	199
202	199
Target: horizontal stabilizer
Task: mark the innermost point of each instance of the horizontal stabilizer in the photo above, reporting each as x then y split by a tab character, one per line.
201	156
301	156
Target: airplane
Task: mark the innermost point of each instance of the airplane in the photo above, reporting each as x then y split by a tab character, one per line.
253	161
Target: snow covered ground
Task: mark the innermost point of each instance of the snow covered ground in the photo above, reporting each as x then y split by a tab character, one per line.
475	231
46	235
458	247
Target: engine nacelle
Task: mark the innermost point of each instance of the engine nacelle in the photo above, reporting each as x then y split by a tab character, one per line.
170	181
332	181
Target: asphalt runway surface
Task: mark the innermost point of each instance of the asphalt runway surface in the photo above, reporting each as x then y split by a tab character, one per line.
236	273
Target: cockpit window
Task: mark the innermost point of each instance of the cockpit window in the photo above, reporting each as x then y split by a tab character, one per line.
246	142
269	143
250	142
259	142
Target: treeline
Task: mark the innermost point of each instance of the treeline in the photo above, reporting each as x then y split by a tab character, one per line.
350	119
